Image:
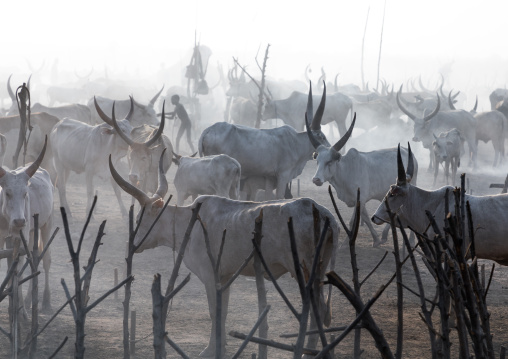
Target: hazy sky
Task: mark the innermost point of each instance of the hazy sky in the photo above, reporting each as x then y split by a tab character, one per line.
137	37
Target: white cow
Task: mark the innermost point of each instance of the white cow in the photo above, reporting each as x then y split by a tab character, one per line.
23	193
216	175
411	202
369	171
237	218
79	147
278	154
447	148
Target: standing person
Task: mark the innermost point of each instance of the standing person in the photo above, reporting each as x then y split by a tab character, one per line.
186	125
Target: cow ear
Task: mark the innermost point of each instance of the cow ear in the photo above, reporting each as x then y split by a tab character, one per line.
107	131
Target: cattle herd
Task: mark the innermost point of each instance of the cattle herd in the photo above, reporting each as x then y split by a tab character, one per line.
241	170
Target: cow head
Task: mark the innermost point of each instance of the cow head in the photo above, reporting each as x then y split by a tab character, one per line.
140	154
397	196
420	131
146	113
327	156
151	206
120	127
440	146
15	201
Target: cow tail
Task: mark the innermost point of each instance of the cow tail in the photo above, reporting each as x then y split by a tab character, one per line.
201	146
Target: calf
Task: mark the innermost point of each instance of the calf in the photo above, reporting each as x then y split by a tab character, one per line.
216	175
447	148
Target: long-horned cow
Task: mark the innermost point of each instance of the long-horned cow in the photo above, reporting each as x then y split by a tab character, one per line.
214	175
411	202
437	122
75	111
278	154
80	147
143	156
369	171
290	110
237	219
24	192
143	114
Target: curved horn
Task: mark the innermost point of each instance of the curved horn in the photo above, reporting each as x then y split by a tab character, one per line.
157	134
475	105
30	171
450	101
402	108
131	110
152	101
401	172
101	113
9	89
420	83
316	121
410	164
441	91
312	139
124	136
141	196
28	82
307	70
335	85
433	113
309	114
342	142
162	189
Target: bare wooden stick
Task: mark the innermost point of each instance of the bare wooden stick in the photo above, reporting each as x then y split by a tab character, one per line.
271	343
252	331
59	348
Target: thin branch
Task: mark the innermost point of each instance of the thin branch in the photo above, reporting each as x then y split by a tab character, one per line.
177	289
89	217
251	333
58	349
105	295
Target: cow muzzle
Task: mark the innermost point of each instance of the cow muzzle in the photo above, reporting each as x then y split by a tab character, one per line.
376	220
317	181
19	222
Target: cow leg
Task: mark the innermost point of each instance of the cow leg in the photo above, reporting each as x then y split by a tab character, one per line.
211	293
447	171
61	183
118	195
431	162
280	188
366	218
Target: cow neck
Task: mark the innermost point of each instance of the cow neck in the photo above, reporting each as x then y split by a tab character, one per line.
179	218
419	201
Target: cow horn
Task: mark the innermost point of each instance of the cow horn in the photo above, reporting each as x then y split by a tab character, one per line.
101	113
402	108
30	171
335	85
316	121
475	105
152	101
135	192
158	134
433	113
342	142
312	139
450	101
401	172
441	91
28	82
131	110
310	105
420	83
9	89
124	136
433	134
410	164
162	189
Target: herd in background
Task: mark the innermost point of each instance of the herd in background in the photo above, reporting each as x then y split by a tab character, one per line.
234	156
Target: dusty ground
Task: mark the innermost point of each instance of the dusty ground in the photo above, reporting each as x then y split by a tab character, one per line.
189	324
